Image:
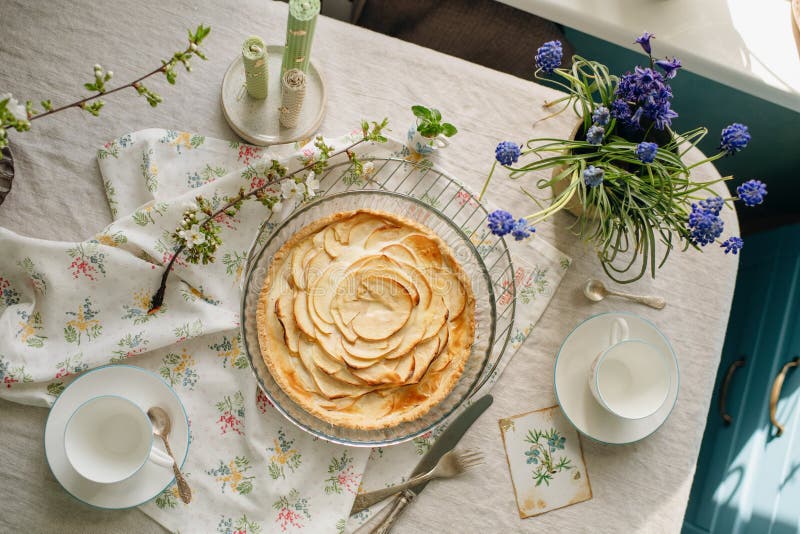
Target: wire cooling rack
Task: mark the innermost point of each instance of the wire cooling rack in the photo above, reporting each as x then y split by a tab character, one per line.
422	180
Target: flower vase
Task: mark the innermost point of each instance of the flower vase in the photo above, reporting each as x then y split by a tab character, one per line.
574	206
422	145
6	173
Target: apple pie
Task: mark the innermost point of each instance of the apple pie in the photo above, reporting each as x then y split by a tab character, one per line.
366	319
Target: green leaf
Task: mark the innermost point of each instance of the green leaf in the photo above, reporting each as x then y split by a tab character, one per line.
171	75
421	112
200	33
428	130
93	108
436	114
449	130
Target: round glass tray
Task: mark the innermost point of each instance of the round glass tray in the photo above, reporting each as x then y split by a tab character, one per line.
465	253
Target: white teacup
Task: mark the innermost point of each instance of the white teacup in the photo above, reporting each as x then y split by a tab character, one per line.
424	145
109	438
631	377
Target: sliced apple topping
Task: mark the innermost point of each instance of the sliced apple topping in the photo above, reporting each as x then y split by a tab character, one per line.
332	245
298	263
283	311
372	317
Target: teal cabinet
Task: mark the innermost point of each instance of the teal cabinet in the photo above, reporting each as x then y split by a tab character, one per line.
748	477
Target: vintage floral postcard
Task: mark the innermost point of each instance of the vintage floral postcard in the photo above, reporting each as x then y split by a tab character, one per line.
545	458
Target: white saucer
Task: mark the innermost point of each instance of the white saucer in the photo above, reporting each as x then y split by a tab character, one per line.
143	388
255	120
572	366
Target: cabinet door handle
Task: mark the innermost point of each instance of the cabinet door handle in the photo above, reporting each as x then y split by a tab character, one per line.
723	391
775	395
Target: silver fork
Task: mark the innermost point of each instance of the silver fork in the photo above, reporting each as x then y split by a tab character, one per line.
451	464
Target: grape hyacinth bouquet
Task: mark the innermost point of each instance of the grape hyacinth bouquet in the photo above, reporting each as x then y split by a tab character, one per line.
622	171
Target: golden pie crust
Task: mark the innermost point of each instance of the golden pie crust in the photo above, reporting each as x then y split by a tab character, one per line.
366	319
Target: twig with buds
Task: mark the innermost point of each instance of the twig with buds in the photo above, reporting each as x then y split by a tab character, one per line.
19	117
198	234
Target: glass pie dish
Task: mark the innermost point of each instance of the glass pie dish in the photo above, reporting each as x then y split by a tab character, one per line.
269	241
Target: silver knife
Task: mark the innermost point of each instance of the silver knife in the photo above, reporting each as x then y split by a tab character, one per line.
443	444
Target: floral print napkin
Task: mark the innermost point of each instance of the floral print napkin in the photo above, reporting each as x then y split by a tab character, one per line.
68	307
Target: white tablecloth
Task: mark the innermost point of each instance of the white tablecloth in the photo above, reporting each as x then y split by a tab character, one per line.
48	49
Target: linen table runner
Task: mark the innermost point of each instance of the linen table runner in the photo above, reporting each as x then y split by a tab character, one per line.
69	307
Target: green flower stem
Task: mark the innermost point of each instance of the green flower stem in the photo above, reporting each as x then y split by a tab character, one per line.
486	183
568	100
560	202
551	103
709	159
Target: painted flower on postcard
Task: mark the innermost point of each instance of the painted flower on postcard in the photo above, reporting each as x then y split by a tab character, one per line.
546	461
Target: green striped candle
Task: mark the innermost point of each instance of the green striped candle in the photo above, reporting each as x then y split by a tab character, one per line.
299	34
256	75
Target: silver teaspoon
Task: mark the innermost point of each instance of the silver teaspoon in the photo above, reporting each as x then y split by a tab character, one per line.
596	291
161	427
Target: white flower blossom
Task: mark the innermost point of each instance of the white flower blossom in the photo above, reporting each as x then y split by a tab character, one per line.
368	168
14	107
290	189
312	184
193	236
189	206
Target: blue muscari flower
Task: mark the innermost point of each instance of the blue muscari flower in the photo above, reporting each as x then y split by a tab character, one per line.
601	116
501	222
644	40
670	67
646	152
752	192
713	204
507	152
705	226
620	110
732	245
522	230
593	176
548	56
734	138
595	135
648	92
